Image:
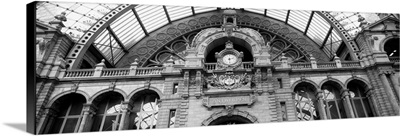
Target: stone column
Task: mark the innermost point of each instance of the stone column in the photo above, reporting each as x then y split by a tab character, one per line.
47	119
126	109
389	92
395	82
372	101
321	109
88	112
348	107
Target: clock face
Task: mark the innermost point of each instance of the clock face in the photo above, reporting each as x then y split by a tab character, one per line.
229	59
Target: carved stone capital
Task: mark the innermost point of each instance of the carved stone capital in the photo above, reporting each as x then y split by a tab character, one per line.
344	93
90	108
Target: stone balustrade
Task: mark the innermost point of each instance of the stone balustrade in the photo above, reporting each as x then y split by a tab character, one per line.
79	73
300	65
115	72
326	65
144	71
147	71
394	59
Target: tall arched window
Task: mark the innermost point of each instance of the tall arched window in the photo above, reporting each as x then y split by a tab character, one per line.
145	110
306	102
70	113
359	100
333	103
109	112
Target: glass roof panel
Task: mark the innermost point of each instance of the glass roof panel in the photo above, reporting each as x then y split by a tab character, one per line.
350	20
198	10
333	42
103	41
299	19
279	14
80	16
178	12
152	17
259	11
127	29
318	29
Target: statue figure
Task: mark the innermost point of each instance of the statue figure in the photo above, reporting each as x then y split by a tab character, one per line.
61	17
41	45
363	22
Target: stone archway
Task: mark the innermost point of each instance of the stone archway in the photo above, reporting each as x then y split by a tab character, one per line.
229	115
230	120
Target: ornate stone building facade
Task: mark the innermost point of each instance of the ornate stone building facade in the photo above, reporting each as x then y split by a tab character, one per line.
217	67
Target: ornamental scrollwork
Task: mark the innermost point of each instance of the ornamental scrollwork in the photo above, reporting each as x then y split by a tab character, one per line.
229	82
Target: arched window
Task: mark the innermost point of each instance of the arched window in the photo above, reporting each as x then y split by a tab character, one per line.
333	103
145	110
359	100
109	112
69	113
306	102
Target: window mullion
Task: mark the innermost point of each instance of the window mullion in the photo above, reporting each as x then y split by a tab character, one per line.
65	118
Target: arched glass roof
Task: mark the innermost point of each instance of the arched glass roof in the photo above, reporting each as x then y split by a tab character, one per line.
142	20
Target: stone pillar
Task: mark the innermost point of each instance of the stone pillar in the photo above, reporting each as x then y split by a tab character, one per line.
395	82
372	101
313	62
347	103
99	68
321	108
284	60
133	68
126	109
86	122
337	61
169	65
389	92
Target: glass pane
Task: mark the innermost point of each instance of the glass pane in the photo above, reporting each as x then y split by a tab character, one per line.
172	118
299	19
76	107
178	12
109	123
359	108
96	123
333	110
341	109
277	14
318	29
56	126
152	17
70	125
367	107
259	11
198	10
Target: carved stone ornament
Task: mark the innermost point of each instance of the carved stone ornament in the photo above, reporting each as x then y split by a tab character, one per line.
229	102
229	82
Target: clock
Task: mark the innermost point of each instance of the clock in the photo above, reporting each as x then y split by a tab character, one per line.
229	59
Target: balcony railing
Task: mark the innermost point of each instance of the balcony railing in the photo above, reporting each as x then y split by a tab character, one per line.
326	65
210	66
394	59
351	64
213	66
114	72
300	65
79	73
248	65
149	71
